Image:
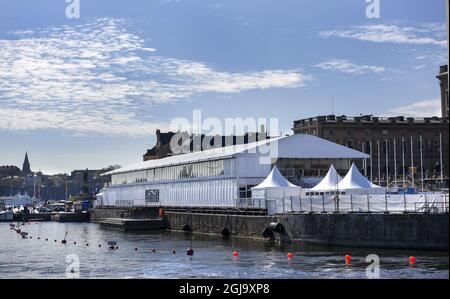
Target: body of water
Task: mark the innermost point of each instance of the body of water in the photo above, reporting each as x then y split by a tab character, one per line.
151	255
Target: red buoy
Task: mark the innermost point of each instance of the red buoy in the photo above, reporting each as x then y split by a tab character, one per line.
412	260
235	253
161	212
348	259
290	255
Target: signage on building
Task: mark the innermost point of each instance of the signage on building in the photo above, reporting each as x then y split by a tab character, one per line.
152	195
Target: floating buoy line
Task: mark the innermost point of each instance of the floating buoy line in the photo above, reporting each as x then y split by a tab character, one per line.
112	245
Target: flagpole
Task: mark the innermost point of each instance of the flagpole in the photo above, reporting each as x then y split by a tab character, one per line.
395	165
421	161
387	164
412	162
370	148
379	165
403	162
364	160
440	154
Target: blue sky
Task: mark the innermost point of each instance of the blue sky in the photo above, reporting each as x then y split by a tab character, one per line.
91	92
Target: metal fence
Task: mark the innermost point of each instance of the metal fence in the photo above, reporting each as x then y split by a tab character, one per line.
389	203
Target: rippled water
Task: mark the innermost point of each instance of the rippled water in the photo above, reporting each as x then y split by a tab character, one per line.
33	258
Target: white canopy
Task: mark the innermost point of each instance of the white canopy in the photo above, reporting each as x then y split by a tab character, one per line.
329	182
275	180
355	183
275	186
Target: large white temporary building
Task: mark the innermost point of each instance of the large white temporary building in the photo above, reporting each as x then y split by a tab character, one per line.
355	183
214	177
329	183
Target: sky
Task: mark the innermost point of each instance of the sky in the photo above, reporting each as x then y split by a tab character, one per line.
90	92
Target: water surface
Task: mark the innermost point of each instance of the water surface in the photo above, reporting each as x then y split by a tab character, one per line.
33	258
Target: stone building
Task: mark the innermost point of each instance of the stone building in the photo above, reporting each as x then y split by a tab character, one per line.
185	143
390	142
443	83
402	149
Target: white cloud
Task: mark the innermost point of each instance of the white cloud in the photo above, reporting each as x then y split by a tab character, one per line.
427	34
98	77
424	108
348	67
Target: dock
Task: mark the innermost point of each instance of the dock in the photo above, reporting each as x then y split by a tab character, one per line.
71	217
125	224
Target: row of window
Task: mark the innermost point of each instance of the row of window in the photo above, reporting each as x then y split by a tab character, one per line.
186	171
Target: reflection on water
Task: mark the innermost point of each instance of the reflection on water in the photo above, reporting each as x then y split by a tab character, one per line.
33	258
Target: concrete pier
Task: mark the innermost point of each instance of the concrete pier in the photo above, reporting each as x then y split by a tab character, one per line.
377	230
401	231
133	224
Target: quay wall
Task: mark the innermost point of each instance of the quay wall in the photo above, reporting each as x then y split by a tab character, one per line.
401	231
377	230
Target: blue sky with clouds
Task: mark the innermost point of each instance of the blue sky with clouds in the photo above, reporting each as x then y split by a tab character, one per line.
91	92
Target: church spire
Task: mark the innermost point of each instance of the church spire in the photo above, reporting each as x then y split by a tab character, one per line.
26	166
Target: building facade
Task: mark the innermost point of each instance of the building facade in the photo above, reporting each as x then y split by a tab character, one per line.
170	143
443	83
401	150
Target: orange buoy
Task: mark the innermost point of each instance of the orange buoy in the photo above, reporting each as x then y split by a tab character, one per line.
348	259
290	255
412	260
235	253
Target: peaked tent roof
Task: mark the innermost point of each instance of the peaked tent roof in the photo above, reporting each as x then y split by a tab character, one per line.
329	182
275	180
355	180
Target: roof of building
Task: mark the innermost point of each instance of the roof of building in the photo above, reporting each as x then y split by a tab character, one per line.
300	146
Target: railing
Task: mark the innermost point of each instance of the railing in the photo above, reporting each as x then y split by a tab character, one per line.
388	203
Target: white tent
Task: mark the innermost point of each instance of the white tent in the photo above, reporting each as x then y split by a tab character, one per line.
355	183
329	182
275	191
